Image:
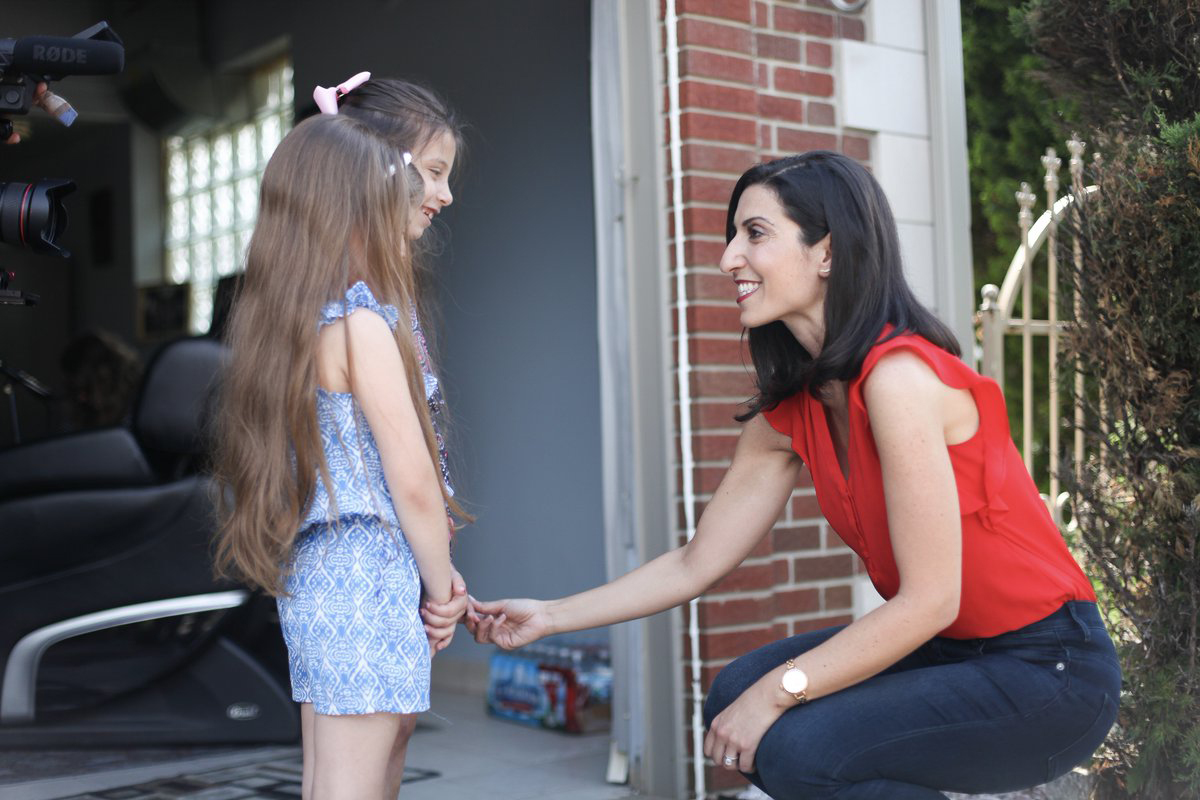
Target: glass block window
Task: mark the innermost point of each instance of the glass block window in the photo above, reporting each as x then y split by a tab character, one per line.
212	191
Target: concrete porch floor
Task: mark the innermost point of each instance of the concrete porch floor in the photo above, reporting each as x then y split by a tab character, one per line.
458	752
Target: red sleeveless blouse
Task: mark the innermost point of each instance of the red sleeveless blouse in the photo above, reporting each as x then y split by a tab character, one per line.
1016	568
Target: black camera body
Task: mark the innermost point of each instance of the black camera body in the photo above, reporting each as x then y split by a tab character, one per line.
16	95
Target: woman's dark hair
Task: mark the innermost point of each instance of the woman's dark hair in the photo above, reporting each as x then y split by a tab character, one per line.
828	193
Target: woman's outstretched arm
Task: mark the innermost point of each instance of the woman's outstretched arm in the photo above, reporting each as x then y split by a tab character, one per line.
743	509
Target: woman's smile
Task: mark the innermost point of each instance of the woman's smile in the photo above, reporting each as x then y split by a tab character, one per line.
745	289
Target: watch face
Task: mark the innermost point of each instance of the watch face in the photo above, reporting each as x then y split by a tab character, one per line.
794	680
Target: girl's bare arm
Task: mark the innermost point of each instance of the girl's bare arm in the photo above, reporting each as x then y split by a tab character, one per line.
377	380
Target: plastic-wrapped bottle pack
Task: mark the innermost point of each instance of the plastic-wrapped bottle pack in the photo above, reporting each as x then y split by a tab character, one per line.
559	685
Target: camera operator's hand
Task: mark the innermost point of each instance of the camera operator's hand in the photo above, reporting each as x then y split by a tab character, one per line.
38	93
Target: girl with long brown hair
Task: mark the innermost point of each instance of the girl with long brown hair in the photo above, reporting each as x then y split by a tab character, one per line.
336	498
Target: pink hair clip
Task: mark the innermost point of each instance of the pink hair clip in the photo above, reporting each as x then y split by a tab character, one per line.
326	99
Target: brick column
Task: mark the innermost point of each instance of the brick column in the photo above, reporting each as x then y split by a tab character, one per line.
757	82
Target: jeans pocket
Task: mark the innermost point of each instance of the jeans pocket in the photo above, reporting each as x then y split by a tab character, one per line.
1083	747
1051	655
1046	653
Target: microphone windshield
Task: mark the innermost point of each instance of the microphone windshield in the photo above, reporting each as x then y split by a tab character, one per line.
58	56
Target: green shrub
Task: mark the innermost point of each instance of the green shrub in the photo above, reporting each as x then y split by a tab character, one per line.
1127	65
1133	70
1136	336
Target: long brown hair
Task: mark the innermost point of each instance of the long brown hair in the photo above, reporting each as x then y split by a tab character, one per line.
333	187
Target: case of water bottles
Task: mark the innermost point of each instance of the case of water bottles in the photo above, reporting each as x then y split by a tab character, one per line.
563	685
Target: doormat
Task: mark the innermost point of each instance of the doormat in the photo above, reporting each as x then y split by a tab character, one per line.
277	779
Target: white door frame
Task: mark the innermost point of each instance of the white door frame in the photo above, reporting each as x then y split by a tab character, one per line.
635	381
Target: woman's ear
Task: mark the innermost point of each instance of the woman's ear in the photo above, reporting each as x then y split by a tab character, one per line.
824	253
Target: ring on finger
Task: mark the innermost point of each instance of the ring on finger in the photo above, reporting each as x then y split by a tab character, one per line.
730	760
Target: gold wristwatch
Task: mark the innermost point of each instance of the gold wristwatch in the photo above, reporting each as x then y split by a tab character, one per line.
795	682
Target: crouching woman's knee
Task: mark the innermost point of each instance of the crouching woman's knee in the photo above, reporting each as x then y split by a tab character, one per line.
728	686
793	761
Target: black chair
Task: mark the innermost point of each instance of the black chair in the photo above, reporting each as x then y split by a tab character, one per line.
112	627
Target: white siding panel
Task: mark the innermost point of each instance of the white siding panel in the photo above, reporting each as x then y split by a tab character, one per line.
898	23
884	89
916	245
903	167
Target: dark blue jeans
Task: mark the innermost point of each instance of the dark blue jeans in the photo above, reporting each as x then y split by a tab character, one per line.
974	715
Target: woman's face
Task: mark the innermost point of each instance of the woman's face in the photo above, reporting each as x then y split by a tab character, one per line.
777	276
434	161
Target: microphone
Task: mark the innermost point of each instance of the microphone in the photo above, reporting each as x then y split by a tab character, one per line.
55	57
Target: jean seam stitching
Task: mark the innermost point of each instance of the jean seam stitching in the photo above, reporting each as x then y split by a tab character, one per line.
1007	717
936	728
920	732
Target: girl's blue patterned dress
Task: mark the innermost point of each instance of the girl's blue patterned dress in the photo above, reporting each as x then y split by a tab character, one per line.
356	643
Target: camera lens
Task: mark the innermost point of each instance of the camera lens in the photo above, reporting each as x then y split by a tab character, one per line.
32	214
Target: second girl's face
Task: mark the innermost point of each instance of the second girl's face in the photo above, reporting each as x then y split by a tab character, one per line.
434	161
777	276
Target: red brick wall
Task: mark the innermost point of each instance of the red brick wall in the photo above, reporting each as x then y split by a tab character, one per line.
756	82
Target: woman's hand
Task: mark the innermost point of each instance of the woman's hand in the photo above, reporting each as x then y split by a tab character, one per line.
508	623
736	731
442	618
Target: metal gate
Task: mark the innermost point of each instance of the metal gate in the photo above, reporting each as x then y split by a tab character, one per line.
996	320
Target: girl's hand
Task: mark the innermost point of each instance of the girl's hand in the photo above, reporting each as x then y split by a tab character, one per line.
442	618
508	623
736	731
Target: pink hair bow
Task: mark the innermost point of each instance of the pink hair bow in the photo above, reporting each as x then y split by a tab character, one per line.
326	99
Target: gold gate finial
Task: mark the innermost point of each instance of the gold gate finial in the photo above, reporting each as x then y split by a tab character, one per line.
1051	162
1076	147
1026	198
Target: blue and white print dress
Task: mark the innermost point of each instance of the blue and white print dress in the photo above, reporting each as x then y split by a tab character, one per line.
356	643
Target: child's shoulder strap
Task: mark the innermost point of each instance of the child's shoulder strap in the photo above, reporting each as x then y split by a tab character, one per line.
358	296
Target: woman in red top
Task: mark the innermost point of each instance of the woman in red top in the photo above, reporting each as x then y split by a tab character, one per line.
988	667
